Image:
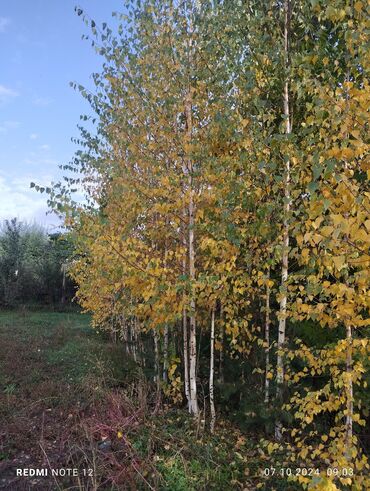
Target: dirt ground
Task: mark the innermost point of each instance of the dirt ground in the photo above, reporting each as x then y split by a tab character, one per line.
43	359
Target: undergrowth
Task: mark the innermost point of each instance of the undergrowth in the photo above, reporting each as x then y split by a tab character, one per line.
70	398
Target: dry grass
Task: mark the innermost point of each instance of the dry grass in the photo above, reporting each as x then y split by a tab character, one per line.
57	406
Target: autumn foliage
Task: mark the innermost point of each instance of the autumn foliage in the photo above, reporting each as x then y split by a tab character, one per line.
226	203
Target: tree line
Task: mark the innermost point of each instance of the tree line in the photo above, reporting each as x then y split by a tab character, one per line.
225	227
33	266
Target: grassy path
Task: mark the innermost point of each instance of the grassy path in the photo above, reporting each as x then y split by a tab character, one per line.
70	399
49	363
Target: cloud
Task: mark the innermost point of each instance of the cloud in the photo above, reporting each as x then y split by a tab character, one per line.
7	94
35	160
5	126
42	101
45	147
34	136
18	200
4	22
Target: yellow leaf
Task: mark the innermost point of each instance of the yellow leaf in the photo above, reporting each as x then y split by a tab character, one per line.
339	262
305	254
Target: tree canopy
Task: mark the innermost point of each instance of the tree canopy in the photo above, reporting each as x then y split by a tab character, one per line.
226	221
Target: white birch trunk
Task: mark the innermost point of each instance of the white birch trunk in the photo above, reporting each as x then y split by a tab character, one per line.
186	357
286	211
267	341
191	251
166	331
185	324
124	333
349	390
211	373
192	334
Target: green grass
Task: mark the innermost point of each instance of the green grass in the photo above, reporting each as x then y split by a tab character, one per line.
62	386
52	366
63	343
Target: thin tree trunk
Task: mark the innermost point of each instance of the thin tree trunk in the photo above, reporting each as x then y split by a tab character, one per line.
134	339
349	390
285	251
267	340
129	347
186	345
156	359
185	322
157	377
125	332
141	347
349	360
139	344
199	345
188	171
113	331
165	354
186	357
221	377
192	334
211	372
191	250
166	331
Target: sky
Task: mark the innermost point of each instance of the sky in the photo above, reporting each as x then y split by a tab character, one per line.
41	52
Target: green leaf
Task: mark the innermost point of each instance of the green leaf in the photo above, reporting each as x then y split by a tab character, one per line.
312	187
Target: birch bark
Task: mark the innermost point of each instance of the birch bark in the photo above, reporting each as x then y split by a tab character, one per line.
211	373
286	211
